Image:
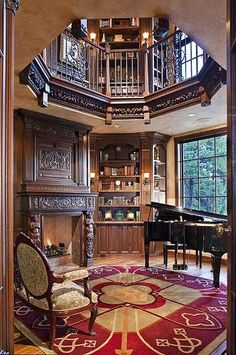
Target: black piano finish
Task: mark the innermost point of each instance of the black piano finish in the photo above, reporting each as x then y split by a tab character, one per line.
170	212
195	229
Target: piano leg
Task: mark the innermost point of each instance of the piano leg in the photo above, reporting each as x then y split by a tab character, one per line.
175	266
196	257
200	258
184	257
216	256
147	252
165	254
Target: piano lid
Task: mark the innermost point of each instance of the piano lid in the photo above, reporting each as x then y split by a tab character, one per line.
173	212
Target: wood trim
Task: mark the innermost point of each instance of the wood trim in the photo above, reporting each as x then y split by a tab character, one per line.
176	172
231	121
44	119
8	10
198	89
189	138
199	135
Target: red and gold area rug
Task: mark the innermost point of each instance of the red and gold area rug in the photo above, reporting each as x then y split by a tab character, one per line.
141	311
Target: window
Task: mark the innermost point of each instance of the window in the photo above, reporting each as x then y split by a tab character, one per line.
202	174
192	57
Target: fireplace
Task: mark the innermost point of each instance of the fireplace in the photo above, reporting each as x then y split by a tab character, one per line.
53	201
57	236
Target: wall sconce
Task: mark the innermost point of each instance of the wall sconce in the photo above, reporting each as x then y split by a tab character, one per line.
92	36
145	36
92	177
146	178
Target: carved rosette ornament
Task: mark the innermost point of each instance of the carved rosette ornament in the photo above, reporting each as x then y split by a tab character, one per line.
13	5
89	237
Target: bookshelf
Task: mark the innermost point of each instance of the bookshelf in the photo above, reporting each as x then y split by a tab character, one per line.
159	173
119	183
116	161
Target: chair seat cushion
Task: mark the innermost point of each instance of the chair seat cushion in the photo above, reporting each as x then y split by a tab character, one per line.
69	295
65	297
75	275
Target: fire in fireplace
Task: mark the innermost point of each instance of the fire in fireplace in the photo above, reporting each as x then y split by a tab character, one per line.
53	250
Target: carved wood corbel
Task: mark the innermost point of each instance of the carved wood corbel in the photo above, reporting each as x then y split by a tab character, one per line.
204	98
108	120
13	5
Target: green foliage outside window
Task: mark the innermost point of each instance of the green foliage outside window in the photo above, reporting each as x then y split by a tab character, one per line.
204	182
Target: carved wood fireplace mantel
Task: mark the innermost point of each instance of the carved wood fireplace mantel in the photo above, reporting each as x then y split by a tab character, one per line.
35	207
52	178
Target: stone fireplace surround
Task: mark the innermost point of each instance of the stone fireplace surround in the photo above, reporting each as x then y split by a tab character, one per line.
52	179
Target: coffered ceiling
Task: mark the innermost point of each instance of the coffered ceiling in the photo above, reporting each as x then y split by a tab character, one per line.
39	22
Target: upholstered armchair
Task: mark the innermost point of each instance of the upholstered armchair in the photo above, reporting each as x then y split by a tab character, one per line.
48	293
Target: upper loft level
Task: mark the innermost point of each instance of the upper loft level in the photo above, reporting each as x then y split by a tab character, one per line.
124	68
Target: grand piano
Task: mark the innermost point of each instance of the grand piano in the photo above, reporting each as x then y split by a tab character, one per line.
193	229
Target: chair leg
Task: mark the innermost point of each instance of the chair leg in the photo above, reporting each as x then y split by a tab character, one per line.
52	321
94	313
87	290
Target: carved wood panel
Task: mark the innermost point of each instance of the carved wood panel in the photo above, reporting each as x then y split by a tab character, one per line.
54	160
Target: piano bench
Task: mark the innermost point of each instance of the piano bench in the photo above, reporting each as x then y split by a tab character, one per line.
167	246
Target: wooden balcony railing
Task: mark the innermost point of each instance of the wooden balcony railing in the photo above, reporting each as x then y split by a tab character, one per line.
125	73
172	60
78	61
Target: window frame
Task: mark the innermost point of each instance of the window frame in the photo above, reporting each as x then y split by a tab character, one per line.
186	139
187	41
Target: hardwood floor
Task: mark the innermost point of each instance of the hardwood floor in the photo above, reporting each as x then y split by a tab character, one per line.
24	345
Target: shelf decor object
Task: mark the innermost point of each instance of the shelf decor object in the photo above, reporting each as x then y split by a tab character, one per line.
108	215
130	216
119	216
146	178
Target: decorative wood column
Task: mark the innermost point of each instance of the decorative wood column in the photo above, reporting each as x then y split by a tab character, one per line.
88	236
146	80
35	228
231	126
8	11
82	160
108	86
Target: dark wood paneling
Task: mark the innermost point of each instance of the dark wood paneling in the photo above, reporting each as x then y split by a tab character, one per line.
114	239
50	154
119	238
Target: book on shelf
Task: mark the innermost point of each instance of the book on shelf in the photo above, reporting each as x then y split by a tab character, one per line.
107	170
114	171
131	170
101	200
112	185
134	22
106	185
106	22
